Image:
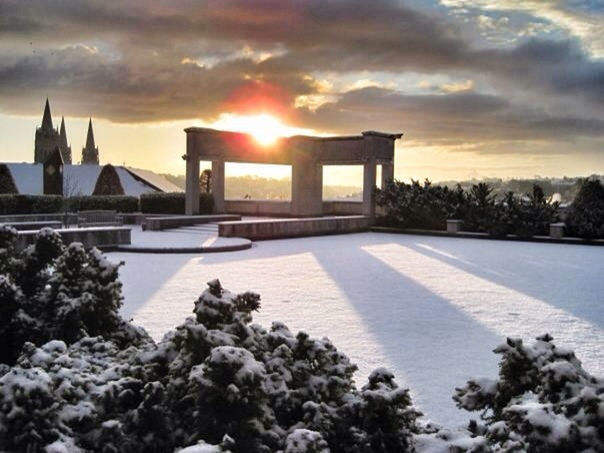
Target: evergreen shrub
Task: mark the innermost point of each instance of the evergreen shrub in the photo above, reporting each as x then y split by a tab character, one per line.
586	215
119	203
173	203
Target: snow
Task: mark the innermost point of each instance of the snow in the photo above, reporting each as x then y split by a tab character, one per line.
81	179
27	177
157	180
430	309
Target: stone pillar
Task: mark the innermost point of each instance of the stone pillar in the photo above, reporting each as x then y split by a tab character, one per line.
192	186
217	184
387	173
369	176
307	188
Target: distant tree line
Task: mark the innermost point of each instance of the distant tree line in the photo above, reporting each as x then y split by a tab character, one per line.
259	188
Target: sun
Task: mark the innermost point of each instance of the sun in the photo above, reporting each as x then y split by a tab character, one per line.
264	127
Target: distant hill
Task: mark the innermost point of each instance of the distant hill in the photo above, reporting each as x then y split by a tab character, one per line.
259	188
567	187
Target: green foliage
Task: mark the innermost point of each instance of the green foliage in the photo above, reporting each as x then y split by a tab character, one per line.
49	291
429	207
173	203
586	215
8	204
419	206
30	204
530	215
7	183
543	401
82	379
119	203
205	181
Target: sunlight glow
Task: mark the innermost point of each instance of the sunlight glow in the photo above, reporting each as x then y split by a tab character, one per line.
265	128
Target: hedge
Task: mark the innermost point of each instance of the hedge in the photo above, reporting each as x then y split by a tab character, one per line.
30	204
173	203
119	203
44	204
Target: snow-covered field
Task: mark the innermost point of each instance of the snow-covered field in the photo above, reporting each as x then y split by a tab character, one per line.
429	308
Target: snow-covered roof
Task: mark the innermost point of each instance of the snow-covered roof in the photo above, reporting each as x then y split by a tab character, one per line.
155	180
27	177
81	179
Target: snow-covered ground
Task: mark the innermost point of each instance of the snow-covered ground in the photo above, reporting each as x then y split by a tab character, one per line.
429	308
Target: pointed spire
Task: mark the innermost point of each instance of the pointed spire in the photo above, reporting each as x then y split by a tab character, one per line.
47	118
63	134
90	136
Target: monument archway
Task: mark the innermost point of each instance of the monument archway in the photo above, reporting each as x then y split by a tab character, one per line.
305	154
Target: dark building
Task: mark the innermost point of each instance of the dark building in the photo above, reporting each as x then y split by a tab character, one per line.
53	173
90	153
48	139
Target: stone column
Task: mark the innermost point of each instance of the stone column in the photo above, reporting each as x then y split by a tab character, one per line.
387	173
369	176
192	186
307	188
217	184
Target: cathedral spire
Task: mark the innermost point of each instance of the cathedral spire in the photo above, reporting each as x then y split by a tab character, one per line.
63	146
90	136
47	118
90	154
63	134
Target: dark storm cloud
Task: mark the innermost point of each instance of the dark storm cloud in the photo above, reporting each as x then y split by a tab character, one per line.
124	61
450	119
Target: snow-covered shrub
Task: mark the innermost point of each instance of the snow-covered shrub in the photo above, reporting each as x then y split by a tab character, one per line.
49	291
543	401
227	376
90	394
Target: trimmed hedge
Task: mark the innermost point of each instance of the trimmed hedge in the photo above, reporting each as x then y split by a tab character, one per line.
30	204
173	203
119	203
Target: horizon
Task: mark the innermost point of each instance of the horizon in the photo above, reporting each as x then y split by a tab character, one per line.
480	90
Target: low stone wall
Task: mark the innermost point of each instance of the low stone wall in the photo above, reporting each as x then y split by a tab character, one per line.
276	208
163	223
287	228
89	237
334	207
68	218
34	225
137	218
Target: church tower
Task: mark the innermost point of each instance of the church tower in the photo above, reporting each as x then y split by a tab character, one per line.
63	146
47	137
90	154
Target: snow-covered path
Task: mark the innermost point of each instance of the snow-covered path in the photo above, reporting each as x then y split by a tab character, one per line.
429	308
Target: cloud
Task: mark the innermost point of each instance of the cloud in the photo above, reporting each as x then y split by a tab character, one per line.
142	61
450	119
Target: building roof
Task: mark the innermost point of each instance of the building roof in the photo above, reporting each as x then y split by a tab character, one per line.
81	179
154	179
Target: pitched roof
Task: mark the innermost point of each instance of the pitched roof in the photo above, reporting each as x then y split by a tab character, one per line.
81	179
154	179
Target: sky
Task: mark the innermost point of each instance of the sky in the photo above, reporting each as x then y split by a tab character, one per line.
482	88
